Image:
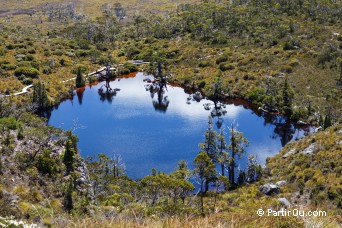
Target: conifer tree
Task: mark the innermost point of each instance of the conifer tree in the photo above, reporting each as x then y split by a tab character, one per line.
40	98
287	97
223	156
69	156
237	147
209	144
80	82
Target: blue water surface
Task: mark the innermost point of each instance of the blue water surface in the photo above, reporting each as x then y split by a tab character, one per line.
128	124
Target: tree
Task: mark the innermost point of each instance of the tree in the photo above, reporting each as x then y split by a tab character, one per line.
205	172
252	167
80	82
40	98
210	137
204	169
287	97
68	201
69	156
182	176
223	156
237	147
339	61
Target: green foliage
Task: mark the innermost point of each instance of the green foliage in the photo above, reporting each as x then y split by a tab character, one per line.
237	147
287	95
68	197
20	135
209	144
69	156
40	98
27	71
257	96
80	82
131	67
221	59
46	164
204	169
9	123
78	68
226	66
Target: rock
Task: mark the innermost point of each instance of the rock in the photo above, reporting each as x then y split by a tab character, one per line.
318	129
289	153
309	150
269	189
284	202
281	183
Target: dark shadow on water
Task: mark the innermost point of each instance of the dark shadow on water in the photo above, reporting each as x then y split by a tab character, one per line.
107	93
79	93
162	102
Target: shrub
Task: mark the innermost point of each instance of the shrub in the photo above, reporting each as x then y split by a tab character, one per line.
287	69
47	70
83	68
8	66
9	122
27	71
45	163
27	81
131	67
226	66
221	59
10	46
31	51
288	46
204	63
123	70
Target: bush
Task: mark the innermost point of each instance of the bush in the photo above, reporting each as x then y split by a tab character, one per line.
204	63
83	68
27	81
123	70
10	46
8	66
131	67
287	69
31	51
288	46
226	66
257	96
9	123
47	70
27	71
221	59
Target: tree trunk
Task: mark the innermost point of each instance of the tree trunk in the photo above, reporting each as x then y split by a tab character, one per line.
222	169
206	186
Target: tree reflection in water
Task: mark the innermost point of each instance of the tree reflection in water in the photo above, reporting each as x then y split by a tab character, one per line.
162	102
107	93
218	110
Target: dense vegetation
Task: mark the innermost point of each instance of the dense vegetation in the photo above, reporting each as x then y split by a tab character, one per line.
280	55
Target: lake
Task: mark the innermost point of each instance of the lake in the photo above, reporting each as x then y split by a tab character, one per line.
151	129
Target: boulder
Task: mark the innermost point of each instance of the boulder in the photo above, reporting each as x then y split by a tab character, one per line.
269	189
284	202
281	183
289	153
309	150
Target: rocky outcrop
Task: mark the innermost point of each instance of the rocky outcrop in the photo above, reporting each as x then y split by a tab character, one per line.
269	189
284	202
82	182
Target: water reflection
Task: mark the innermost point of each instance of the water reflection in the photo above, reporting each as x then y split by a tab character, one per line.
132	120
79	94
161	102
107	93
